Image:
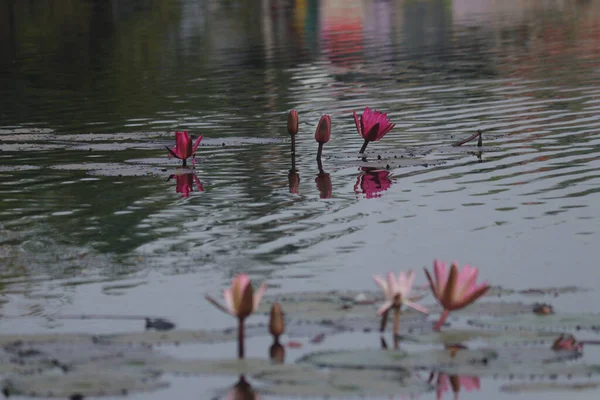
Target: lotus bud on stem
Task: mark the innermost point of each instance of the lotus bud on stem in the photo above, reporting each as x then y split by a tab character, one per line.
323	133
292	127
240	301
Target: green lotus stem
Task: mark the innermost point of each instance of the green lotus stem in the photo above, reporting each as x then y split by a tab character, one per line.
293	144
384	318
184	163
319	151
241	338
396	321
442	319
364	146
480	140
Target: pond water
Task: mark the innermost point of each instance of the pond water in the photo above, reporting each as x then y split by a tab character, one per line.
91	93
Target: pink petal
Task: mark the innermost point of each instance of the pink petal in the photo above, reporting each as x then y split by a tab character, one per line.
386	306
228	295
196	144
258	295
357	123
410	278
416	306
392	284
469	383
382	285
441	275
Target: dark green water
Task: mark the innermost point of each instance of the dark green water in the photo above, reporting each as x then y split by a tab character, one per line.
92	91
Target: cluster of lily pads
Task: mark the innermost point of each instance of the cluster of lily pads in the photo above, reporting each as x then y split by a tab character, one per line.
504	339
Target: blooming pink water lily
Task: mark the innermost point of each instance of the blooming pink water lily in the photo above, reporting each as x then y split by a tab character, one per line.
454	290
183	147
372	126
396	291
444	382
240	301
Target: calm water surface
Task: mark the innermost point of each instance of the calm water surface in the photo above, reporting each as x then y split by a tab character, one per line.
107	83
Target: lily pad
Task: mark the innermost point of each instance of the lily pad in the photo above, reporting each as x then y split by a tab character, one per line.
548	323
397	359
453	336
237	141
112	169
88	381
465	149
534	387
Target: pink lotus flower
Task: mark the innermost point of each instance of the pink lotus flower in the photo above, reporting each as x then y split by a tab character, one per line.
372	126
185	183
444	382
240	301
396	292
183	147
372	182
456	289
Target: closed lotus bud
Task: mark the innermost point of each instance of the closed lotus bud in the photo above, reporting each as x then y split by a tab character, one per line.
277	322
292	124
323	132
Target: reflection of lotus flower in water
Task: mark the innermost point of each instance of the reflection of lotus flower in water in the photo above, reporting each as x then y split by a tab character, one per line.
467	383
372	182
372	126
454	290
293	181
242	391
323	181
185	182
183	147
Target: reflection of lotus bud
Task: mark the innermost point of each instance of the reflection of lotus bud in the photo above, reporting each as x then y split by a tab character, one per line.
323	132
277	353
323	182
242	391
293	181
292	124
277	322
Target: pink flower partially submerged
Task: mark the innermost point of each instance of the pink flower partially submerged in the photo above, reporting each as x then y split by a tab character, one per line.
183	147
397	291
454	290
240	299
372	126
